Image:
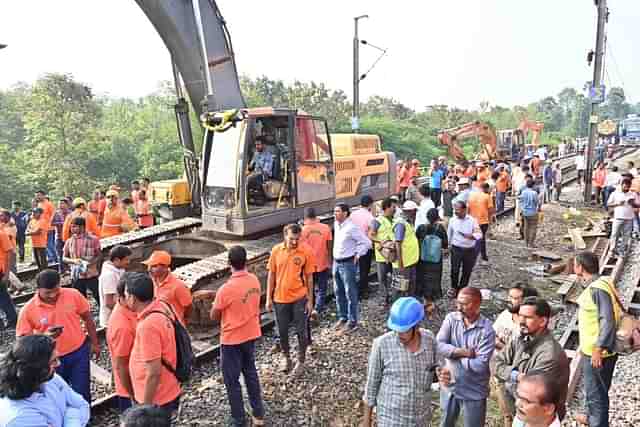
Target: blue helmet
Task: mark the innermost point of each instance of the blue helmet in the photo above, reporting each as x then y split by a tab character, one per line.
405	313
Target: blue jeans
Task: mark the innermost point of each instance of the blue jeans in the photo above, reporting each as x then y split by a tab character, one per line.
121	404
74	369
236	359
346	289
596	387
321	278
52	255
474	412
6	305
500	196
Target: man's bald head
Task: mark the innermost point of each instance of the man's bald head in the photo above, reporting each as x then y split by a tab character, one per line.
473	293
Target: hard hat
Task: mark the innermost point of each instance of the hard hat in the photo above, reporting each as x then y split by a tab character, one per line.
409	205
79	201
112	193
405	313
400	162
158	258
463	181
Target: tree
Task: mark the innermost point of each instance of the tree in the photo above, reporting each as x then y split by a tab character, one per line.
60	116
616	106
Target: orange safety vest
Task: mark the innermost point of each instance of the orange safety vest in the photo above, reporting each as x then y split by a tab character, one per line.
113	221
143	211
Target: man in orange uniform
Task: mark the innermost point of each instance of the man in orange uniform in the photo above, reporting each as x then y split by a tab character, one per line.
405	179
599	180
290	292
97	206
6	304
318	236
482	174
168	287
237	307
153	348
143	209
502	185
536	165
80	212
59	313
116	220
481	208
415	168
48	210
37	229
9	227
121	333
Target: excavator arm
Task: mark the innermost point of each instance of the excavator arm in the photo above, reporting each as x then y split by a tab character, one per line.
451	137
203	62
535	128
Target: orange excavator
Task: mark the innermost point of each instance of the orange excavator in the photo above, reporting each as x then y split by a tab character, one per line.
534	127
483	131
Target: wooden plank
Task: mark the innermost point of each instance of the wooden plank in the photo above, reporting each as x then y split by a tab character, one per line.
576	238
100	374
547	255
574	374
588	234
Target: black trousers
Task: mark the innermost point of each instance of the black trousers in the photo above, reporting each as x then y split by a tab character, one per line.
292	314
91	284
436	194
465	258
40	257
364	264
483	243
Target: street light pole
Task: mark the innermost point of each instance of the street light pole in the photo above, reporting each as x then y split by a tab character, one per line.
596	83
355	119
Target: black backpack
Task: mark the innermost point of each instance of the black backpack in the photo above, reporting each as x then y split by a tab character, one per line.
184	352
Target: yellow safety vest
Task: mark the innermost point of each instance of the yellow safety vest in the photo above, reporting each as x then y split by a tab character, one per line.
588	326
410	246
385	232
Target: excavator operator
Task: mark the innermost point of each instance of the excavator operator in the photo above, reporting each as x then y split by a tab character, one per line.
260	170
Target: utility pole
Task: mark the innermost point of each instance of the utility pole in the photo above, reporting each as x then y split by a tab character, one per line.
596	83
355	117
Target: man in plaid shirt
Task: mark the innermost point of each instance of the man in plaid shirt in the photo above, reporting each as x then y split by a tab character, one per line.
401	366
82	252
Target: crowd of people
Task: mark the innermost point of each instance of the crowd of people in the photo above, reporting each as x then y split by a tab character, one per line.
408	236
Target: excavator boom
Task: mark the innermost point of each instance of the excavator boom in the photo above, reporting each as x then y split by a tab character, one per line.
483	131
536	129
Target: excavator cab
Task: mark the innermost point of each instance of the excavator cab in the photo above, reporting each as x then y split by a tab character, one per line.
270	164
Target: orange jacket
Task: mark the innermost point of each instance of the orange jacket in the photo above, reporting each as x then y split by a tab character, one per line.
143	212
90	223
116	221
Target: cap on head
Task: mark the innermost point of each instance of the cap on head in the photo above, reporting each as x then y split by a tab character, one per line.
409	205
112	193
79	201
158	258
463	181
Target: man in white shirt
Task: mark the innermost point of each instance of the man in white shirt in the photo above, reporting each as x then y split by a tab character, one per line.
463	233
537	399
426	204
362	217
623	202
112	271
611	184
632	169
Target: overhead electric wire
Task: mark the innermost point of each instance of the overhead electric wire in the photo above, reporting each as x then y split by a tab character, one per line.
617	69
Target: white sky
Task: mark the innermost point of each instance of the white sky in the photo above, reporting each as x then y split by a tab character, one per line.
455	52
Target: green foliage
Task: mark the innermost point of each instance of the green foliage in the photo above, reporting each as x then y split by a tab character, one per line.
55	135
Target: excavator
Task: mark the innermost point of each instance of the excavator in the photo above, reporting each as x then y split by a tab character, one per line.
534	127
309	167
483	131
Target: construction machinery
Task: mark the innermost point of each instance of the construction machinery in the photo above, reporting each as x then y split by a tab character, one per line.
511	144
223	205
534	127
483	131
